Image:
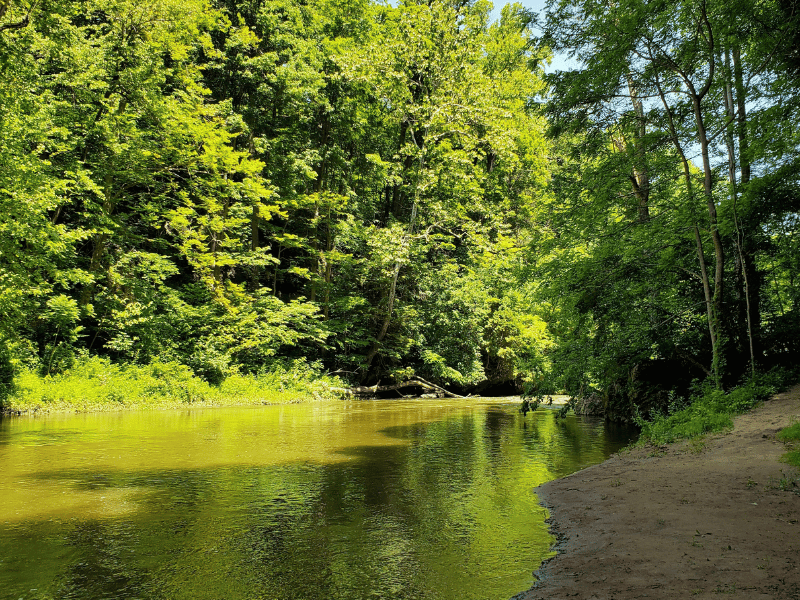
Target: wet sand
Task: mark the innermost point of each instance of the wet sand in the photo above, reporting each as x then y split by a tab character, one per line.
718	518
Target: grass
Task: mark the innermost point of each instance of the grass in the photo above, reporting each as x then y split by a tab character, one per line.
790	435
792	457
711	409
97	384
786	483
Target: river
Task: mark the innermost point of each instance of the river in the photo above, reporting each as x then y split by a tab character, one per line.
409	499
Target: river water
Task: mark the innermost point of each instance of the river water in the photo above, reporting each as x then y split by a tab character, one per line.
420	499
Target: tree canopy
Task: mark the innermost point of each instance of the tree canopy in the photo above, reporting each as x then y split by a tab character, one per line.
390	191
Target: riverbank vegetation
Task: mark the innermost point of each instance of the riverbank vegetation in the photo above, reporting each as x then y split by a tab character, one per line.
710	409
229	189
96	384
791	435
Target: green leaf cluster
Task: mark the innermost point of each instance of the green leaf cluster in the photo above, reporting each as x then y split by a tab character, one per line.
671	218
229	185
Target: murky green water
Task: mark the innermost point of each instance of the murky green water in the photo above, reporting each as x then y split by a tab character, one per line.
425	499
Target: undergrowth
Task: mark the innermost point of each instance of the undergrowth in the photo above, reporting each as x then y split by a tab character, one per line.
791	435
95	383
710	409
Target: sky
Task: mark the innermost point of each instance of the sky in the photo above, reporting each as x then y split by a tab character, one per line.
560	62
536	6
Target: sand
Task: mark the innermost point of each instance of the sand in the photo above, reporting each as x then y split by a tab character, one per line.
716	518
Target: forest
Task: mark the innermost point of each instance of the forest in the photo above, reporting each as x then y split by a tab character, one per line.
371	193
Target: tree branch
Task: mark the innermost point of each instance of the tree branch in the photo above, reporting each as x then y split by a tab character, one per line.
19	24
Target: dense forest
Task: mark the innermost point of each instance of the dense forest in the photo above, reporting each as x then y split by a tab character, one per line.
386	191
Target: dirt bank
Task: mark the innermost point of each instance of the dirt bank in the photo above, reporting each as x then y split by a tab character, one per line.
693	520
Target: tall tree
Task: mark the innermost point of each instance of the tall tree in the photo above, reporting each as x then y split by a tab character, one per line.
667	60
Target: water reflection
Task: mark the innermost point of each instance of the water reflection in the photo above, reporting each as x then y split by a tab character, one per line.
412	499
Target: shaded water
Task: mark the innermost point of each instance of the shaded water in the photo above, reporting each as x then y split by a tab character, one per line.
421	499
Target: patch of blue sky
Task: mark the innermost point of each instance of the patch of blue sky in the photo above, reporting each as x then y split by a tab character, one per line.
560	62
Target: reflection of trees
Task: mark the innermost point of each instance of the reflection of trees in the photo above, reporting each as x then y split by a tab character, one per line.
568	444
101	571
79	560
403	520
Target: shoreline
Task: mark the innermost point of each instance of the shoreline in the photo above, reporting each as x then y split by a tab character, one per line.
166	403
719	514
66	408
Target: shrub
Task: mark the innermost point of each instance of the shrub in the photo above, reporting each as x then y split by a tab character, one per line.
6	374
791	434
95	383
711	409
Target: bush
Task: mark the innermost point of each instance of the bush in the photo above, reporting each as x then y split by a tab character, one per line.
95	383
711	409
790	435
6	374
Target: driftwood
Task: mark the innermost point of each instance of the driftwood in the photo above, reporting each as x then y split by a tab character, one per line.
370	390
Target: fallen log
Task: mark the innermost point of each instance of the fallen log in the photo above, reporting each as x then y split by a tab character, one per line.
439	389
369	390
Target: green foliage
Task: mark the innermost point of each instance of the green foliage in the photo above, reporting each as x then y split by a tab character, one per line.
655	253
368	186
6	374
792	458
703	416
60	321
95	383
710	409
790	435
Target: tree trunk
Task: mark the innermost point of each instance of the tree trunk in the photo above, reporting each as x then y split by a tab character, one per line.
713	321
729	105
385	327
328	268
99	242
640	180
397	189
741	117
748	264
719	251
712	330
393	288
255	221
216	247
314	252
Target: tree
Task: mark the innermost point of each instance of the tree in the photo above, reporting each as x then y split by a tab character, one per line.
461	152
658	72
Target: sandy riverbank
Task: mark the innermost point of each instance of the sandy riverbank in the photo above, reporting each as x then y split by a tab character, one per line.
692	520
